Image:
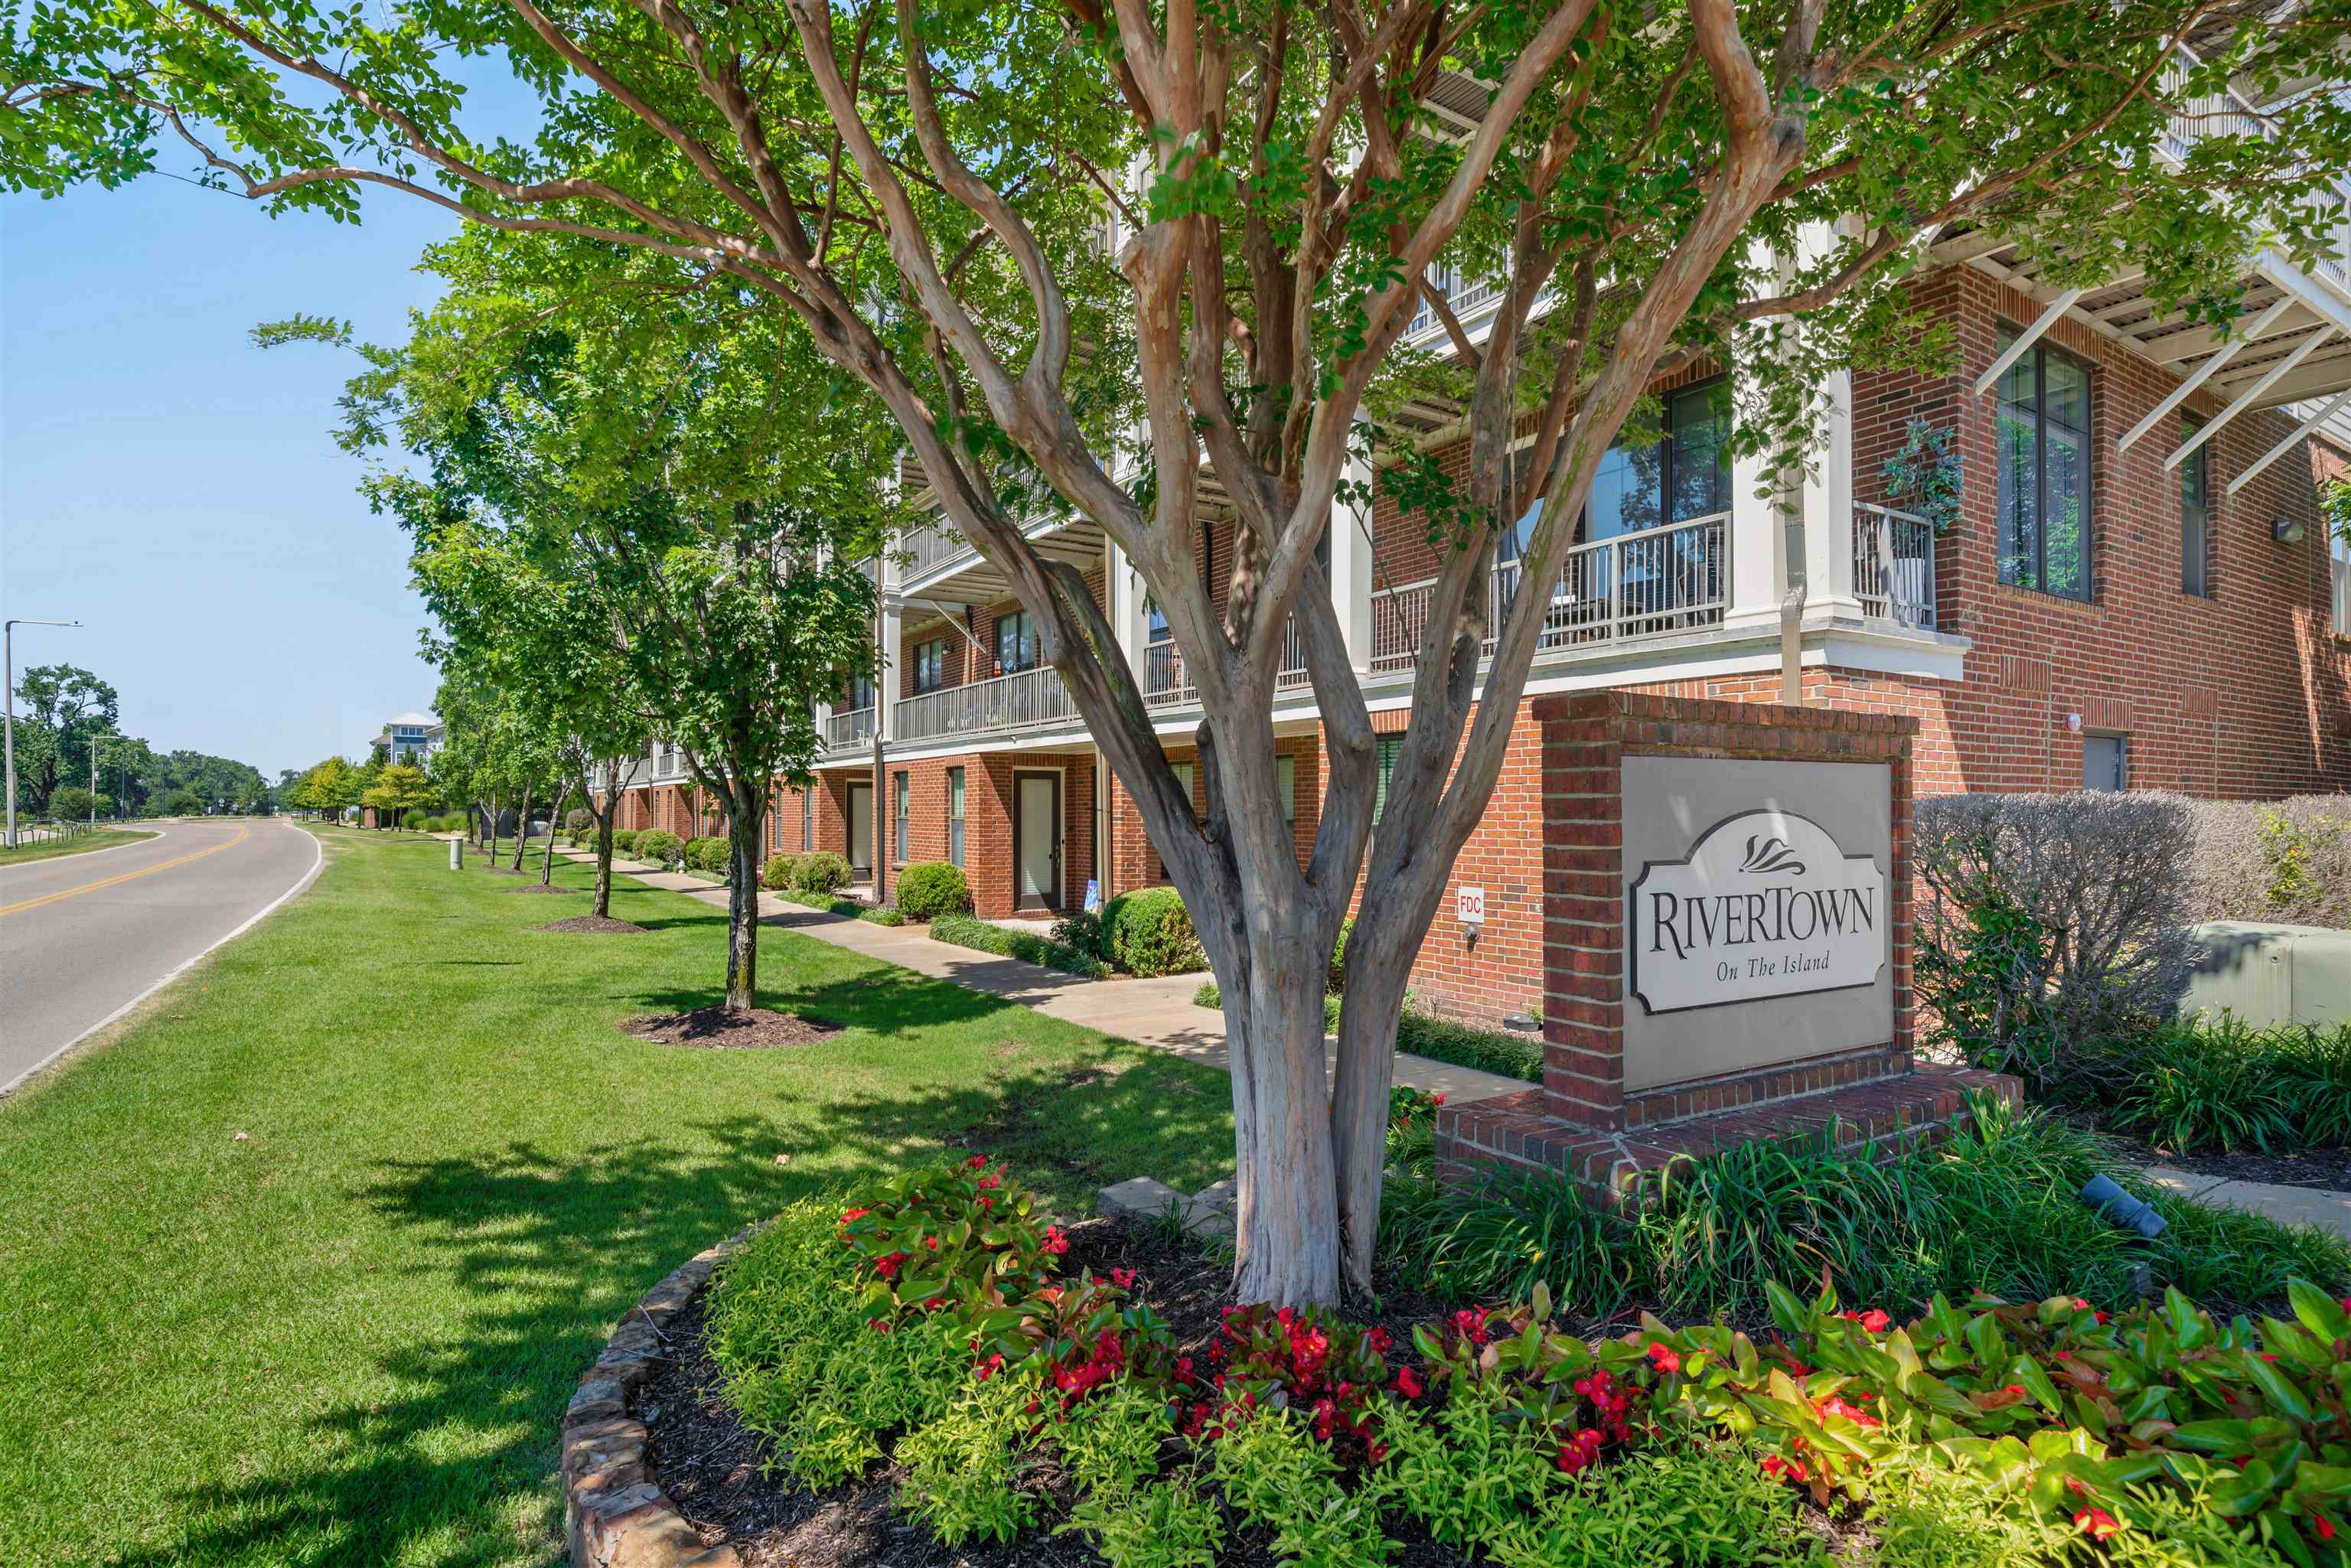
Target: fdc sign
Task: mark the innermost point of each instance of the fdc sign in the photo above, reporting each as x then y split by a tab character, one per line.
1767	903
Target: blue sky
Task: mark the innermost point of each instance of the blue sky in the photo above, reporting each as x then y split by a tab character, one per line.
175	489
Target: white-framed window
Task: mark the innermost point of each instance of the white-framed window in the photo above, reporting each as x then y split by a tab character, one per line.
2341	562
2195	515
955	816
807	819
1285	773
901	795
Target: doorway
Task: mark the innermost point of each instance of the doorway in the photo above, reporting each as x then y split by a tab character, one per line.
1036	841
860	828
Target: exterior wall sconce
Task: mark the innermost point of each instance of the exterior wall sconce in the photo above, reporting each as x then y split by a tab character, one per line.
2286	530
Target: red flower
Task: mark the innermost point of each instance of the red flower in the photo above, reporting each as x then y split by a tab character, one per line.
989	1181
932	1242
1438	1098
1579	1451
1406	1384
1852	1412
987	1203
1123	1278
989	1367
977	1162
1470	1322
879	1325
855	1214
1784	1469
1662	1358
1875	1322
2325	1526
1055	1242
888	1266
2096	1523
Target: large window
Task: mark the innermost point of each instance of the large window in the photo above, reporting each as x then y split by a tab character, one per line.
1015	641
931	664
2044	472
2195	516
955	816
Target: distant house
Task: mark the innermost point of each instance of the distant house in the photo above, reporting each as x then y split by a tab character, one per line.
412	738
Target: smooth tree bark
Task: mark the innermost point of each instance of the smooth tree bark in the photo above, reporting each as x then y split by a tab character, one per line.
522	828
1740	184
547	871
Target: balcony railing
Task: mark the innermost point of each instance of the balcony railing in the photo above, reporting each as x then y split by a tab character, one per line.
934	546
2230	113
1164	684
1646	584
848	726
669	763
1016	701
1894	565
1467	299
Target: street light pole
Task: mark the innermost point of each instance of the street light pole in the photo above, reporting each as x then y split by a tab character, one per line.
9	705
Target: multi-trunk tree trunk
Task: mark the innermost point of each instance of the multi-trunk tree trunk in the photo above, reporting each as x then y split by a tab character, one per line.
555	820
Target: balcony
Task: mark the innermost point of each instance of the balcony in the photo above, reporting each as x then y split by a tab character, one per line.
1025	699
845	727
1164	682
1652	583
669	762
941	565
1894	565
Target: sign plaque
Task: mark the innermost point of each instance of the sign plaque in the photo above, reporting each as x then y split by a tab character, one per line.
1766	903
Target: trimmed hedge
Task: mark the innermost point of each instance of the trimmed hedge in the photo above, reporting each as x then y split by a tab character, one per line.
579	819
822	872
624	841
928	889
1208	996
660	846
1151	933
710	854
966	932
1489	1051
781	872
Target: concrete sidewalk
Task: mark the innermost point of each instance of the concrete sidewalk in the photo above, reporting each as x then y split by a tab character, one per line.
1158	1013
2286	1205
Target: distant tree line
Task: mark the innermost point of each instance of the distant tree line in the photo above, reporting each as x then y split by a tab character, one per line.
65	713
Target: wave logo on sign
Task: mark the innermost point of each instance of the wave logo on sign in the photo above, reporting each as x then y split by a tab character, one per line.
1766	905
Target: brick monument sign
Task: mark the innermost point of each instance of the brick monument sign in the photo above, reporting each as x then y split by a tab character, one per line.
1727	933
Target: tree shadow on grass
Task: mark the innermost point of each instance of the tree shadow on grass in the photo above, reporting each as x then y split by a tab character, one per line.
541	1252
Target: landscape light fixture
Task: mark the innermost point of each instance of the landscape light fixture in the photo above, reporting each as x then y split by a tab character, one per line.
8	706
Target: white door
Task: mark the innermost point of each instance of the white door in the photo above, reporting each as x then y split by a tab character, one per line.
1039	833
861	826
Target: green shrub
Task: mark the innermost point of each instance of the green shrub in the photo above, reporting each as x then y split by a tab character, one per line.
1993	1208
1083	930
879	915
1208	996
1151	933
2189	1089
781	872
821	871
624	841
964	931
660	846
962	1468
930	888
1339	955
579	819
1489	1051
713	854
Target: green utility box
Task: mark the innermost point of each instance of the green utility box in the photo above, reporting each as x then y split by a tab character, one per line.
2270	973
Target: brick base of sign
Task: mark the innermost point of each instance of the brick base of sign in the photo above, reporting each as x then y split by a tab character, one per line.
1885	1115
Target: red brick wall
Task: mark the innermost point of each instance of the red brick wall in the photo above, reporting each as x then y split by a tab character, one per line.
987	820
2245	693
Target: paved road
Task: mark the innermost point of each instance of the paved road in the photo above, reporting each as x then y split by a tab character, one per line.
84	937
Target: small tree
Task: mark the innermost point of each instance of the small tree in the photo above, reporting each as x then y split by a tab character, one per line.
71	802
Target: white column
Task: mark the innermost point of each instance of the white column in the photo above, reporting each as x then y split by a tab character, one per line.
1828	503
1350	571
1756	584
885	674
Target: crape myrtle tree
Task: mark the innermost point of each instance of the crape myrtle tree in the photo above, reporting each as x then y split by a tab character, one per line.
651	493
925	187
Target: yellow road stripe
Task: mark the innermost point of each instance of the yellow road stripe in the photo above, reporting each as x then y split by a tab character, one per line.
241	834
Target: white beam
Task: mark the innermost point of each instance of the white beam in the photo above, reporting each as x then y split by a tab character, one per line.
2247	397
2203	373
2288	445
2031	334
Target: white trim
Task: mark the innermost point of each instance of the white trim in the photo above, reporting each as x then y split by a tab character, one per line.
317	864
2245	399
2282	448
2226	352
2031	335
1060	827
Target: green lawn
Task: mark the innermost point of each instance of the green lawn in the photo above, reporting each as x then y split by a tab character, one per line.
347	1339
51	848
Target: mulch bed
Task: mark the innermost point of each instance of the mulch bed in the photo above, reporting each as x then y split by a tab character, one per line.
545	887
713	1469
591	922
504	870
2326	1168
716	1029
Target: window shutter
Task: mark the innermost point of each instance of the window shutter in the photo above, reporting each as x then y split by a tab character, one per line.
1389	745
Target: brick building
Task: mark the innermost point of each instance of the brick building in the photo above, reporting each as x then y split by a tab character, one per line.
2136	592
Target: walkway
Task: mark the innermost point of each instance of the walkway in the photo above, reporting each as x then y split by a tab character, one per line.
1158	1013
2286	1205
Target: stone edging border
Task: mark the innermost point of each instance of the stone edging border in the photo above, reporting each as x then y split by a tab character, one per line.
614	1514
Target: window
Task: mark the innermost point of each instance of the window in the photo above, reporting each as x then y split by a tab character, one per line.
2044	473
2106	762
860	693
1684	476
1285	777
2341	567
899	795
807	819
1015	641
955	816
931	664
1155	620
1390	744
2195	516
